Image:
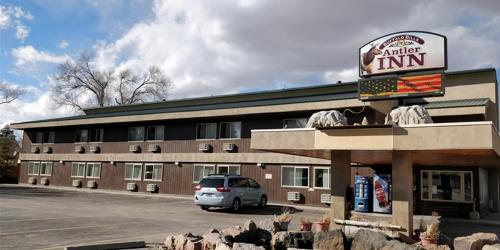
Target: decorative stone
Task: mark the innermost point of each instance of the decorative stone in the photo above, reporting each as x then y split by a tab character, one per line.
323	119
475	241
367	239
223	246
236	234
251	230
183	242
211	240
491	247
292	239
415	114
330	240
211	230
269	225
246	246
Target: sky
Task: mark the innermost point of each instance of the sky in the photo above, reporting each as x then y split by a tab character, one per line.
221	47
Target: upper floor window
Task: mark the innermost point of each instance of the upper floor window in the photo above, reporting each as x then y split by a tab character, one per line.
81	135
44	137
136	134
155	133
230	130
206	130
295	123
96	135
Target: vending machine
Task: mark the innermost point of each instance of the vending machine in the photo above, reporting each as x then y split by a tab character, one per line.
382	201
362	193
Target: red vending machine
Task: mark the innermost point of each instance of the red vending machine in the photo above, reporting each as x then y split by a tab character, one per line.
382	200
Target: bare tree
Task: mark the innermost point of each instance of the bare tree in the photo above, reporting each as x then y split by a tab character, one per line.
9	92
153	85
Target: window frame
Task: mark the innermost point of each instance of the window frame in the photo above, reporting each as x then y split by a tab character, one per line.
329	177
143	133
140	171
296	167
79	164
77	132
157	126
152	172
228	166
101	133
47	163
198	128
462	185
93	164
287	119
229	138
29	166
203	165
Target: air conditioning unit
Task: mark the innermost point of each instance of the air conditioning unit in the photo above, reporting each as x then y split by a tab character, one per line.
92	184
293	196
95	149
134	148
154	148
151	188
44	181
326	198
47	150
228	146
35	150
32	180
204	147
79	149
131	186
76	183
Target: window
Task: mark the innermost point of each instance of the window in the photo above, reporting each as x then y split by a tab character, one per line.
96	135
33	168
78	169
44	137
202	171
136	134
446	185
81	135
155	133
230	130
46	168
93	170
295	123
153	172
133	171
253	184
295	176
238	182
206	130
228	169
322	177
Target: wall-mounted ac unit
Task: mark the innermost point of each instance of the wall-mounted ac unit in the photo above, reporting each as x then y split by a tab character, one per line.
32	180
204	147
35	150
154	148
95	149
134	148
131	186
91	184
79	149
76	183
151	187
293	196
47	149
228	146
44	181
326	198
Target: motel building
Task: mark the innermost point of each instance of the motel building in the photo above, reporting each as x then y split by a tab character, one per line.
450	166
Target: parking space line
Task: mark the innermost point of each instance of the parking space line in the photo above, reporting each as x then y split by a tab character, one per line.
67	228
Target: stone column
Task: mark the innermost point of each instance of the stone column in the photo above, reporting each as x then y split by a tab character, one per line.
340	180
402	190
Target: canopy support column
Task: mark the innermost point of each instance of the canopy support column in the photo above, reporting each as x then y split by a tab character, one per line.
339	184
402	190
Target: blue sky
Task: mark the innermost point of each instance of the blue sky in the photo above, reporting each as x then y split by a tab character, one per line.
224	46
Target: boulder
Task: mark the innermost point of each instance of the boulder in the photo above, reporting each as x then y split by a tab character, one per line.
475	241
183	242
269	225
491	247
211	230
371	240
330	240
211	240
263	237
246	246
250	228
324	119
235	234
292	239
223	246
415	114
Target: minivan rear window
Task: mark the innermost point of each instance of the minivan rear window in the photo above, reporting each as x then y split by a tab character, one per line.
212	182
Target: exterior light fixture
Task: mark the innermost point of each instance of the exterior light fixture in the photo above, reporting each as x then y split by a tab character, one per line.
177	163
260	165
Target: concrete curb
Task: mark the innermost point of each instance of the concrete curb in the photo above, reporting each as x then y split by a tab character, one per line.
120	245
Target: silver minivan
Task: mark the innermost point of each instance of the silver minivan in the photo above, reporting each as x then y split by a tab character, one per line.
230	191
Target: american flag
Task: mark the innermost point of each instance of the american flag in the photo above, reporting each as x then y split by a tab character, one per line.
400	86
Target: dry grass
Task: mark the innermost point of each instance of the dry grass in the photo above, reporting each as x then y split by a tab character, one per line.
285	216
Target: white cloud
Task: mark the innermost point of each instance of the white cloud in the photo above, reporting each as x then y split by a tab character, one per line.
63	44
22	32
4	18
29	56
13	16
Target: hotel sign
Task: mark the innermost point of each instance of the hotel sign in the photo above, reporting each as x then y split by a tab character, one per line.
403	52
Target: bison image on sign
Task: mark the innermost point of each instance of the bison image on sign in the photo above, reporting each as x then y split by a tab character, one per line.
403	52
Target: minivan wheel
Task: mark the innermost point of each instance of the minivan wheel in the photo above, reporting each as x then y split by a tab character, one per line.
263	201
204	208
236	205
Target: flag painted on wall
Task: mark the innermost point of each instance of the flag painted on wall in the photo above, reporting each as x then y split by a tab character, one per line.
397	87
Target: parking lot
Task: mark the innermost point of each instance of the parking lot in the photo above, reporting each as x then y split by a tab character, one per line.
40	218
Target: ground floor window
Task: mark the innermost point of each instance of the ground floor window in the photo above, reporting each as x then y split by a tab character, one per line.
202	171
93	170
228	169
443	185
33	168
133	171
78	169
46	168
322	177
153	172
294	176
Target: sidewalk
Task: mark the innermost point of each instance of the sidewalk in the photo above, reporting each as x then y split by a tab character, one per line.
490	220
